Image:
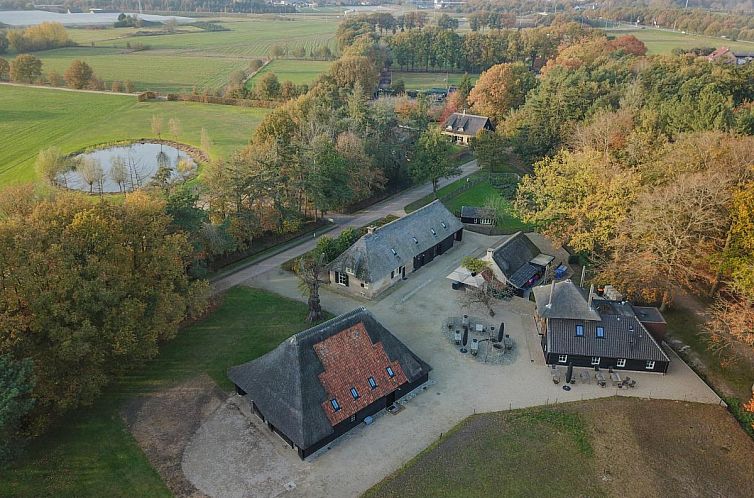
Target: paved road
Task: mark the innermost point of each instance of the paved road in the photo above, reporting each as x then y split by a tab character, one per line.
393	205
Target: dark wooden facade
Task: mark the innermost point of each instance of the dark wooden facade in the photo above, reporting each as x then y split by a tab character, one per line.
604	362
348	424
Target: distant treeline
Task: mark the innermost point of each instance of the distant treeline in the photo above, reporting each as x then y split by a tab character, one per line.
40	37
241	6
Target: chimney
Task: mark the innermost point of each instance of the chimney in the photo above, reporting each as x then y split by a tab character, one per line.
490	252
464	111
552	289
591	293
370	229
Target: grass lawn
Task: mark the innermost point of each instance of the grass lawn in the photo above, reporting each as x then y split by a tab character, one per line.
518	452
158	70
663	42
297	71
606	447
478	196
34	118
424	81
734	371
92	453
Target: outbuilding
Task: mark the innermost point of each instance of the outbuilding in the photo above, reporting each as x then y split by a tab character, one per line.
462	127
386	254
326	380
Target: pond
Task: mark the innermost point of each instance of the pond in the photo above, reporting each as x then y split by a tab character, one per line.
125	168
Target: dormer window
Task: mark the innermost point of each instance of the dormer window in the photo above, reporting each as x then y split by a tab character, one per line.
349	270
449	128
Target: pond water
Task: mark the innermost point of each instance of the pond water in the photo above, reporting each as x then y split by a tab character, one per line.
125	167
32	17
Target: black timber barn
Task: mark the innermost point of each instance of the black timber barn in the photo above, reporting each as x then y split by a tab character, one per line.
324	381
584	330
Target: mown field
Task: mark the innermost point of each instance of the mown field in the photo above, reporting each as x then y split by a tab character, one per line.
34	118
158	70
663	42
192	58
92	453
424	81
297	71
606	447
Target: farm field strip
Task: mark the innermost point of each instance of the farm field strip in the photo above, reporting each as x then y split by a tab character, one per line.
659	41
297	71
426	80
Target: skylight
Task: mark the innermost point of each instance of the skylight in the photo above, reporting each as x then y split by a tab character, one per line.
372	382
354	393
433	231
393	251
334	404
444	225
390	372
416	241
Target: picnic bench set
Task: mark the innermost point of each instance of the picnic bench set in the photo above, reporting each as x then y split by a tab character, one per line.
585	377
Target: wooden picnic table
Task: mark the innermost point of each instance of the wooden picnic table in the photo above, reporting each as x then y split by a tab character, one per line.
615	378
600	379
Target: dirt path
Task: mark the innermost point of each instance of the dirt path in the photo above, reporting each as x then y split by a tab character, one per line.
164	422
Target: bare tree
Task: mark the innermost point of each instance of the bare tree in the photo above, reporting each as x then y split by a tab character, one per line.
310	272
479	297
91	172
174	125
50	164
157	126
119	172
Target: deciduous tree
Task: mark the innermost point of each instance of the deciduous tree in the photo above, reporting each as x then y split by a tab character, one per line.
78	75
432	158
501	89
25	68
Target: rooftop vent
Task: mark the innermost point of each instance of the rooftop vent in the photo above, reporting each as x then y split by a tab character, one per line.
394	252
433	232
415	240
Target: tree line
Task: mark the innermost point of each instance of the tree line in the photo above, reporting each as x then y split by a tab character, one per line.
44	36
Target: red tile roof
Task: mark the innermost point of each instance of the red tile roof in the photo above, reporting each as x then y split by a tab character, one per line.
349	359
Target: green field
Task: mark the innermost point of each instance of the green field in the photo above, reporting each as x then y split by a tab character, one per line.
192	58
478	195
425	81
297	71
161	71
34	118
92	453
663	42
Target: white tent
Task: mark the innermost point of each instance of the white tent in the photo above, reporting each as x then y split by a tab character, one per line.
463	275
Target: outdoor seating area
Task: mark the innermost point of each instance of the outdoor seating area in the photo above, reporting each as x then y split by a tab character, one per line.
480	340
568	376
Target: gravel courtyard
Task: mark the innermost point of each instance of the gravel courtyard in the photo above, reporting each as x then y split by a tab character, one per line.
233	455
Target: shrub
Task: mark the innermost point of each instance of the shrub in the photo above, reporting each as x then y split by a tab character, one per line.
474	265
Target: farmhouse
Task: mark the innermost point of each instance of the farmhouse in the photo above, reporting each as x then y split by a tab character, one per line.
385	255
728	56
584	330
462	127
518	262
326	380
477	215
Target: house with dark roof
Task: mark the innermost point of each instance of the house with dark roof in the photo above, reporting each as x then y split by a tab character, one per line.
726	55
385	255
326	380
473	215
581	329
518	262
462	127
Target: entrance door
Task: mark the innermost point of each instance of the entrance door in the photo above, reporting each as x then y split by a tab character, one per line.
390	399
403	272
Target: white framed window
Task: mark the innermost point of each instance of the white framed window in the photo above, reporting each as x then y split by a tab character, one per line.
600	332
349	270
343	279
595	360
579	330
650	365
486	221
562	358
621	362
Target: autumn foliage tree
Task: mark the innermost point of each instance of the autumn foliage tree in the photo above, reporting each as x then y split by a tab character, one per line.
87	290
78	75
25	68
501	89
